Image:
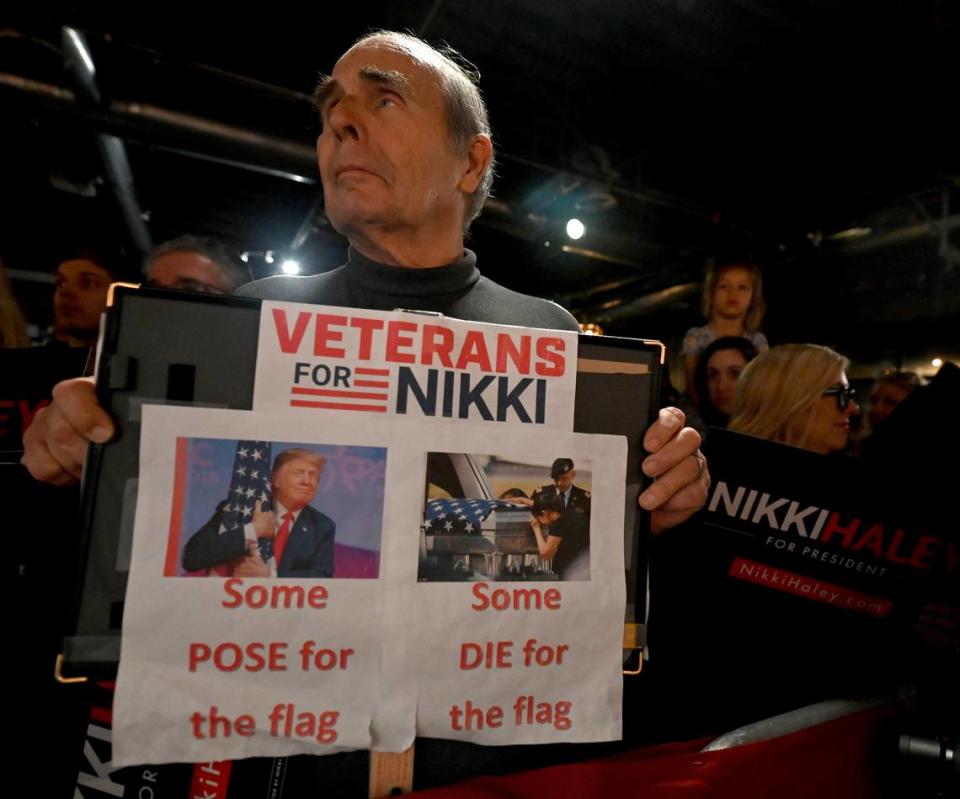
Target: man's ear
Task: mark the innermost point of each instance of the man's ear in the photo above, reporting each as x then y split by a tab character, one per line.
479	156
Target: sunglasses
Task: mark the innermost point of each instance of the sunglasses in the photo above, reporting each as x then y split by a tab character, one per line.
844	395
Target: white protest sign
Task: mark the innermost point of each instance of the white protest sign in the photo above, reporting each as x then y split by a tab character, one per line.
417	366
216	664
514	647
350	634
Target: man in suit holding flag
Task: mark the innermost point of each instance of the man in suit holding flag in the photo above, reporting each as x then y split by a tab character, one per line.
291	540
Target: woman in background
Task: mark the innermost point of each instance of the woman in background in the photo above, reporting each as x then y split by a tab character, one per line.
796	394
887	392
716	376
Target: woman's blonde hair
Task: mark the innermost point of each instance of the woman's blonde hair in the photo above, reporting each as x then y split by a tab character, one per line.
778	389
13	327
758	306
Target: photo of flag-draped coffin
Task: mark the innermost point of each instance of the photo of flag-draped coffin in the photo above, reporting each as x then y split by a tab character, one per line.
467	533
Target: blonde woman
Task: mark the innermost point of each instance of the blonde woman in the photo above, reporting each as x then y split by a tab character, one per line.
796	394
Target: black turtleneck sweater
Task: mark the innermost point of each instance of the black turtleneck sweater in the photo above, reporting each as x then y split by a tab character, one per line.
457	290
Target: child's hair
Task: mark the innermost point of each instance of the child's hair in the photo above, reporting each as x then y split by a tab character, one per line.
758	306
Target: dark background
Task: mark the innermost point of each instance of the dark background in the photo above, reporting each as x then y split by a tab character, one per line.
819	137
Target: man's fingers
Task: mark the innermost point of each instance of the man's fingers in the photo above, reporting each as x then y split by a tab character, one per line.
682	505
52	450
252	566
55	445
689	498
43	466
681	447
679	489
76	402
668	423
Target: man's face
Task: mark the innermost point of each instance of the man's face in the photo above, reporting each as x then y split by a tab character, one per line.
188	271
386	157
564	481
295	483
79	298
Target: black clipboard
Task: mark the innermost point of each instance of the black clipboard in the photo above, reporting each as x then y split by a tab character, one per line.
154	349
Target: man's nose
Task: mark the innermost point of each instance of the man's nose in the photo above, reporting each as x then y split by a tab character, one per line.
345	120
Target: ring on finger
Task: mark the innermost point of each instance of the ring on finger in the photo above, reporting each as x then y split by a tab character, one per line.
701	462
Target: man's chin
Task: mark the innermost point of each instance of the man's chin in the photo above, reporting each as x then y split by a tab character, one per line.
360	212
296	504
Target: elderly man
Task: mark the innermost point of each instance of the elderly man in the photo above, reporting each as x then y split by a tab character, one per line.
196	263
405	159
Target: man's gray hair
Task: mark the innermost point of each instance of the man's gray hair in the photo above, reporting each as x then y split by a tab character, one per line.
459	84
234	270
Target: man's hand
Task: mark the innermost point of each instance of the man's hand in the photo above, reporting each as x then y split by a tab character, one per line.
252	565
679	470
264	521
55	445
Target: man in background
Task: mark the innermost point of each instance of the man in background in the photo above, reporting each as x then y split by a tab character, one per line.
196	263
79	298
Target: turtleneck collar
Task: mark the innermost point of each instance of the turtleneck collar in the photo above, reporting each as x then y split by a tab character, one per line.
401	281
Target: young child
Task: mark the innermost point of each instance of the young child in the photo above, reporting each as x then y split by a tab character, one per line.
733	306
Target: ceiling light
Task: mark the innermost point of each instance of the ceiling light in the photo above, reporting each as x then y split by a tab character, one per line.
850	233
268	256
575	229
291	267
937	362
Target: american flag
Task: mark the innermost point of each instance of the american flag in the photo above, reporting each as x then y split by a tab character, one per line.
460	516
368	391
249	485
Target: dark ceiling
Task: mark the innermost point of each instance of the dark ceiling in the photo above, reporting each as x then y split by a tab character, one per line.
677	130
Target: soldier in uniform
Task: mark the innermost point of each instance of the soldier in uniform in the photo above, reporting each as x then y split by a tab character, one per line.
574	498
